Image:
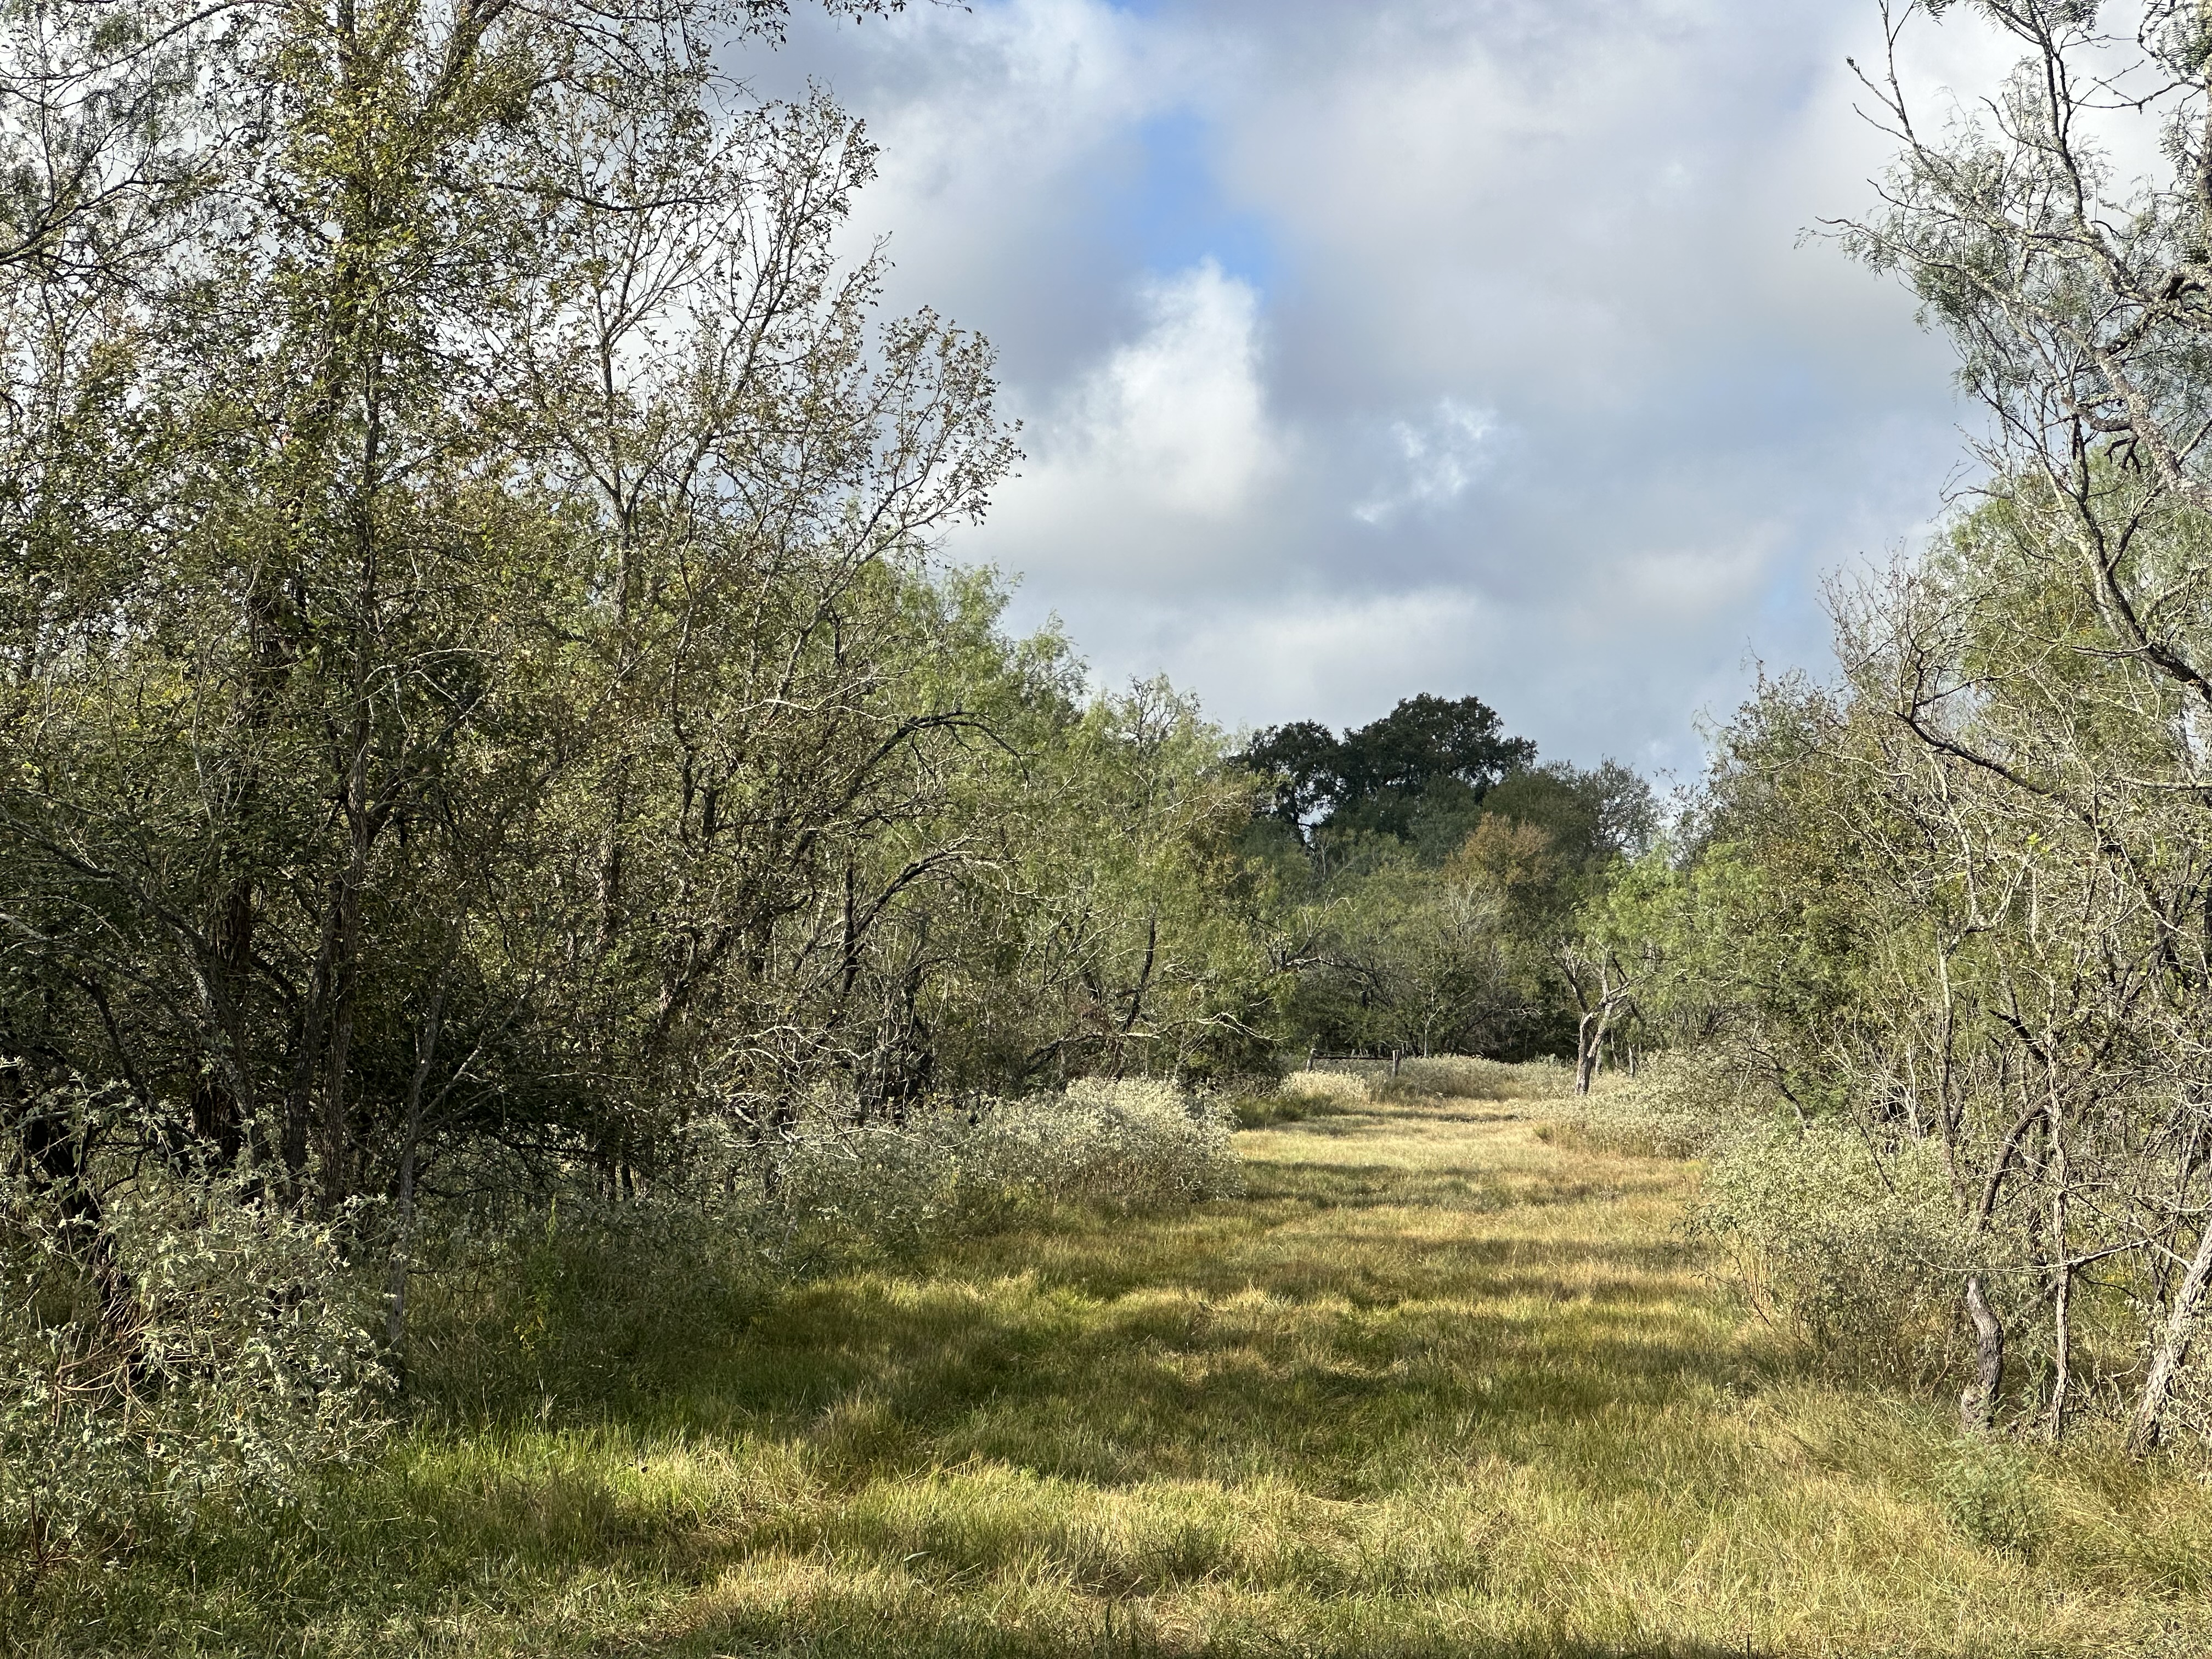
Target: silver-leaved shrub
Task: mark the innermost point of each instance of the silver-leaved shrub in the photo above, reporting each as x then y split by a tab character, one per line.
191	1346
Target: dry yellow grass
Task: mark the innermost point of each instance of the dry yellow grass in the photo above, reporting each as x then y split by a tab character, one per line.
1434	1386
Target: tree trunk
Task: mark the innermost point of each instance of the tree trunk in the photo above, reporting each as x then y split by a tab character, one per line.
2061	1289
1589	1035
403	1243
1978	1405
2062	1345
219	1116
2173	1348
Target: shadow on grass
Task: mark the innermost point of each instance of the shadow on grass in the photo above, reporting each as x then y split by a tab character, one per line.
1102	1407
852	1632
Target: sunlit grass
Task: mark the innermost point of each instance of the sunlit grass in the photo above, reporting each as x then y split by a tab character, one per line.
1436	1386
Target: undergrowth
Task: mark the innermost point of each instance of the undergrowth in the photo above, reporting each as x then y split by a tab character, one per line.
1433	1385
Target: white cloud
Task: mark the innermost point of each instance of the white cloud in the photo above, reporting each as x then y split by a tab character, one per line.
1314	653
1439	459
1528	389
1179	416
1149	469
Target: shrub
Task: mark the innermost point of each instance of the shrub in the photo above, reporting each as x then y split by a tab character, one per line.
1852	1254
1136	1144
1468	1076
1300	1095
1677	1105
1344	1091
193	1346
1855	1256
1987	1490
592	1296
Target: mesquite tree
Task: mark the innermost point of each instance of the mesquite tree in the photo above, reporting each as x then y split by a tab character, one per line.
2052	677
474	673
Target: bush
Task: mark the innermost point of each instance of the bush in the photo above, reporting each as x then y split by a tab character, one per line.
1677	1105
1467	1076
591	1297
586	1299
1987	1490
1298	1096
194	1347
1353	1085
1856	1257
1131	1144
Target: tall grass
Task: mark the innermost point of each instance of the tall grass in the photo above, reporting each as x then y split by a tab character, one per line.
1433	1385
582	1310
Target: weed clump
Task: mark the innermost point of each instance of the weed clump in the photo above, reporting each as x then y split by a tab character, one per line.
1676	1105
1469	1077
1987	1490
1857	1258
1300	1095
1848	1248
1358	1086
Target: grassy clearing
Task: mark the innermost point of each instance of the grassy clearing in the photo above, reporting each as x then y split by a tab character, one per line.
1437	1386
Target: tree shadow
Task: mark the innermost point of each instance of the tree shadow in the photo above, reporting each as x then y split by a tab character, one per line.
838	1636
1322	1344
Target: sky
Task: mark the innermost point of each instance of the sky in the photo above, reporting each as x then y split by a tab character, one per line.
1366	348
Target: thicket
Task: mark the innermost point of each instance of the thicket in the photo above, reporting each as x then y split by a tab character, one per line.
1942	927
526	1306
501	807
1429	885
500	802
484	735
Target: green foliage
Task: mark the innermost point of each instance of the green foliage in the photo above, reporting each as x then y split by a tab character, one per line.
1590	818
594	1298
182	1347
1854	1254
1077	951
1374	778
1989	1492
482	724
1445	873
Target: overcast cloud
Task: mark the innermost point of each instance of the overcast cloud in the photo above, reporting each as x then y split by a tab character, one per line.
1405	345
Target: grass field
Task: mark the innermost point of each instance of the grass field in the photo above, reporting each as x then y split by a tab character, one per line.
1437	1386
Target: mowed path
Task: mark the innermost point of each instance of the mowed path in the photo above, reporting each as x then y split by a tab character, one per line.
1437	1386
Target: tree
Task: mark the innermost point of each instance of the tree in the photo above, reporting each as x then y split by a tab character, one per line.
1302	759
1427	739
461	523
1374	776
2045	681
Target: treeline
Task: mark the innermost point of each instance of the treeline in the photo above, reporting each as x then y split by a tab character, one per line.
474	663
1946	924
491	763
1430	881
481	719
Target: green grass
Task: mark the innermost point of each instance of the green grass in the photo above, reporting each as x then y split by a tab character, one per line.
1273	1111
1437	1386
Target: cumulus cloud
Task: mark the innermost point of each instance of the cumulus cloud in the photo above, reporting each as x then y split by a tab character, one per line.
1178	416
1145	472
1449	345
